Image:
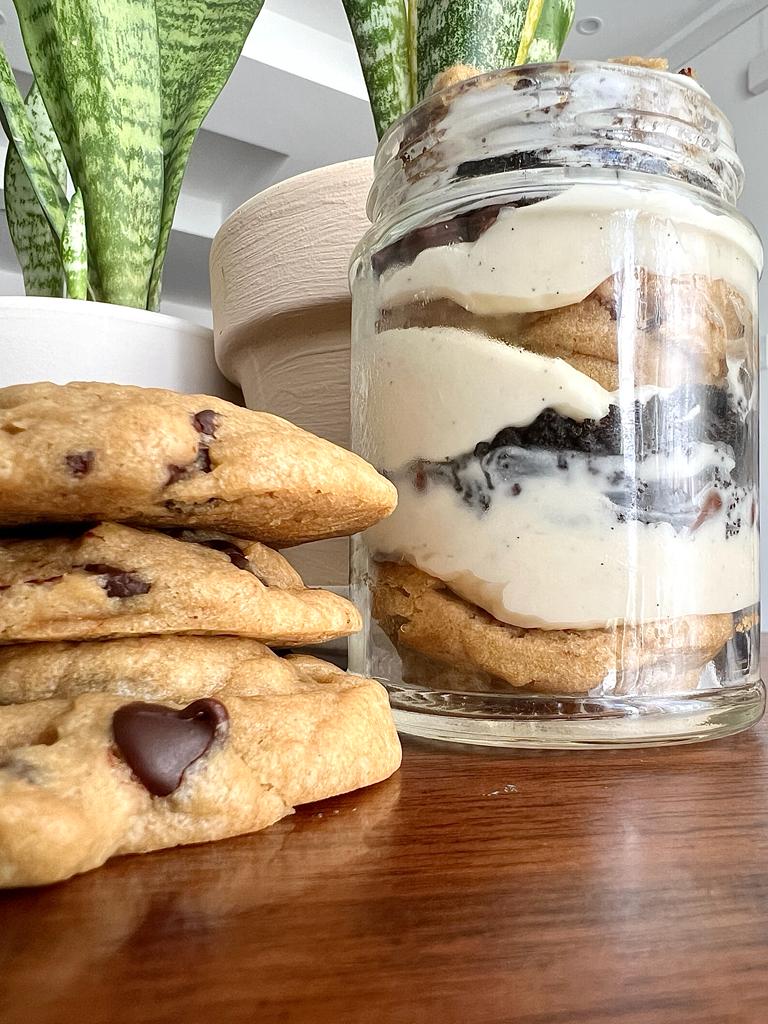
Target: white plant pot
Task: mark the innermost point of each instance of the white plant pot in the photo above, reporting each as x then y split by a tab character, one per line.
62	340
282	311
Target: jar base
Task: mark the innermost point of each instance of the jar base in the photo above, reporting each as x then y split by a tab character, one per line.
504	720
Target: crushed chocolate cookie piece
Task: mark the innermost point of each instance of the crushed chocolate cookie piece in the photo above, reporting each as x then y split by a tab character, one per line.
80	463
687	72
159	743
205	422
118	582
464	227
519	161
553	443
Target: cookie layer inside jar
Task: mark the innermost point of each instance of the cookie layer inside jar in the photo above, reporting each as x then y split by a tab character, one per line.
448	643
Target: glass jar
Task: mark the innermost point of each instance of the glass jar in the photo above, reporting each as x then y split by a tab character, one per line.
554	358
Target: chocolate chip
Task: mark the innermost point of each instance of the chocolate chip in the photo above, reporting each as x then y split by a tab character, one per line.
235	554
118	582
80	463
176	473
203	460
202	464
159	743
205	422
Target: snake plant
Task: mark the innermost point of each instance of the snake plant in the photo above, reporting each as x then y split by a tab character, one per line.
404	44
120	90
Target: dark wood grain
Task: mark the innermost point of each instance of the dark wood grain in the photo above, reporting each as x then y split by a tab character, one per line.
475	887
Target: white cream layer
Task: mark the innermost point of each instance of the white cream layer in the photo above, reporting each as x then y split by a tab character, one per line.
434	392
556	556
558	251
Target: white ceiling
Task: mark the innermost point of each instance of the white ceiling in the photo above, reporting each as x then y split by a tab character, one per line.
678	29
325	15
650	23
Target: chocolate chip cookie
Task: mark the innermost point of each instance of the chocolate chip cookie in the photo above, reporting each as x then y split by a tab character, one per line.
157	458
175	668
420	613
111	580
678	329
88	778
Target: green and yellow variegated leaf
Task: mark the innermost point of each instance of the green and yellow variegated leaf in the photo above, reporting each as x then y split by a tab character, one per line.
482	33
33	239
200	41
551	32
21	134
530	25
74	250
97	65
384	32
404	44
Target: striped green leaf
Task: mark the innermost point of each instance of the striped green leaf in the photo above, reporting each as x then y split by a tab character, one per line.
200	42
74	251
384	32
551	32
483	33
18	127
97	65
404	44
32	236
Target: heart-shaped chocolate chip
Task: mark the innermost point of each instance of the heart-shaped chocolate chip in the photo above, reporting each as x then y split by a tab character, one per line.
159	743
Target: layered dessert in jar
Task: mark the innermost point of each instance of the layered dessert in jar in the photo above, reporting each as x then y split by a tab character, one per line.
559	375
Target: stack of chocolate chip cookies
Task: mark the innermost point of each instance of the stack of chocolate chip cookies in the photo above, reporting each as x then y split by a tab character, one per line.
140	593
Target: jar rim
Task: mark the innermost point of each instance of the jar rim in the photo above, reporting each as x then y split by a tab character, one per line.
600	114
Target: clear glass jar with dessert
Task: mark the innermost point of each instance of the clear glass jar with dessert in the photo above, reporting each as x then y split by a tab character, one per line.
554	358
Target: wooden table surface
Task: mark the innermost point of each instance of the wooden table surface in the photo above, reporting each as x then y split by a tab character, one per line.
474	887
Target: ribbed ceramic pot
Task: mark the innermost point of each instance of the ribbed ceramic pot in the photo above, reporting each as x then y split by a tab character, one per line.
281	311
